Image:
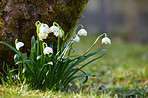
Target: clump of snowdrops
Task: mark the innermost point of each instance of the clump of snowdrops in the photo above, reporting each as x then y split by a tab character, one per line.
42	69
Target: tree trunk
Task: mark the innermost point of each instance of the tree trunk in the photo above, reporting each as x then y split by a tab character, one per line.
17	19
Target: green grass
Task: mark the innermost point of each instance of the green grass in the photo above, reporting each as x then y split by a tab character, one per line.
122	72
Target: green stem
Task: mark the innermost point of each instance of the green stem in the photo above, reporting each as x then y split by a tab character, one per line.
70	50
74	32
38	24
87	52
63	35
58	46
94	43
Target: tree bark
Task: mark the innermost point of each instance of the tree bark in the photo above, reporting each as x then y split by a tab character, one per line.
17	19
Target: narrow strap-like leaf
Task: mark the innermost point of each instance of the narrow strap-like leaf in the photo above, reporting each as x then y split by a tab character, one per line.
25	61
84	58
32	42
77	76
69	78
11	47
84	73
89	55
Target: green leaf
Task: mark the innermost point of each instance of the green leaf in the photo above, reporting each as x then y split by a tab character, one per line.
84	73
13	70
89	62
79	59
68	79
25	61
24	56
77	76
32	42
11	47
51	45
16	57
39	57
89	55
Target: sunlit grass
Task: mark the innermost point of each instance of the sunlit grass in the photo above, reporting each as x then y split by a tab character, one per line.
123	63
123	71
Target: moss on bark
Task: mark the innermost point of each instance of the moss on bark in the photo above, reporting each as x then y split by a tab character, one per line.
17	18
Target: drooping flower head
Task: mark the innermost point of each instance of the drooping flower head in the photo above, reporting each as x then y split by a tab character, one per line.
19	45
106	40
43	31
82	32
76	39
60	34
43	26
57	32
48	50
54	29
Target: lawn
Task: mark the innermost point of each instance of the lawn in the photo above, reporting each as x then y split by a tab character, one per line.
122	72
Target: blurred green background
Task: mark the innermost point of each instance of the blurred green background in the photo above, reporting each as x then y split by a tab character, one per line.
126	23
124	69
122	19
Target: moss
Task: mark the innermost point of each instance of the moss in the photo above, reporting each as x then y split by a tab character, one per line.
69	14
24	13
1	23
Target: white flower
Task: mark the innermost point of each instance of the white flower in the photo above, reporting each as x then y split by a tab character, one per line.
48	50
61	34
43	26
106	40
43	33
82	32
54	29
19	45
77	38
58	34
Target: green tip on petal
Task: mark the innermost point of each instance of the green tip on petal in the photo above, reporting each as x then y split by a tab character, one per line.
16	41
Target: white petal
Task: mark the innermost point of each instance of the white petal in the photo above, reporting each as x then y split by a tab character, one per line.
54	29
44	30
43	33
48	50
43	26
82	32
19	45
61	34
77	38
56	34
106	40
41	36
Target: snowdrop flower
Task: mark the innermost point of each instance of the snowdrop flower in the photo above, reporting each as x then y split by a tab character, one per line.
82	32
19	45
106	40
48	50
57	32
54	29
77	38
43	33
43	26
61	34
